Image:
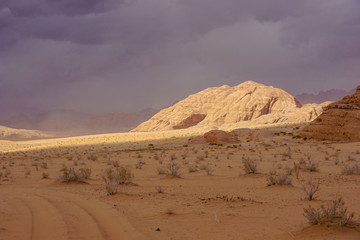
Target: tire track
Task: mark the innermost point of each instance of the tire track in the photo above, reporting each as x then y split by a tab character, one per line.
60	215
81	224
47	222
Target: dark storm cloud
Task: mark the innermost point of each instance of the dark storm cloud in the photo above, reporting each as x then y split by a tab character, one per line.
112	55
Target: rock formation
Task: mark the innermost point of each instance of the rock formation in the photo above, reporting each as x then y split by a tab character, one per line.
215	107
340	121
215	137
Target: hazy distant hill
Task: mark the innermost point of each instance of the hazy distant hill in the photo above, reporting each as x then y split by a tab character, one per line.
70	123
21	134
323	96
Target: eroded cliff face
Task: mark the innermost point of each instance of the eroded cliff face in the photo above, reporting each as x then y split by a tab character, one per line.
225	105
340	121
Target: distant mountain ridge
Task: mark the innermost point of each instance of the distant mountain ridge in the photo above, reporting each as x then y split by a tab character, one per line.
323	96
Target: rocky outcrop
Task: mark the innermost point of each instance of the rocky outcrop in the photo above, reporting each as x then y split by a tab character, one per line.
225	105
219	137
340	121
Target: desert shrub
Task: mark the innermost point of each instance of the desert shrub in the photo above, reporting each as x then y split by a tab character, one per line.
208	169
169	211
73	175
351	169
86	172
161	171
200	158
334	214
192	168
114	177
45	175
173	169
43	165
311	188
159	189
115	163
279	178
111	186
92	157
121	175
139	164
249	166
308	165
287	153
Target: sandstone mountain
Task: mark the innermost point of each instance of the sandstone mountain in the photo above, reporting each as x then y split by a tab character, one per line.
340	121
231	107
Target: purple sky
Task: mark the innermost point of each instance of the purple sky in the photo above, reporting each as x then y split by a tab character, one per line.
126	55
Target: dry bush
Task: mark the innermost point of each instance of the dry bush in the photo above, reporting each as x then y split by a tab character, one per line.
159	189
73	175
279	178
92	157
139	164
121	175
311	188
308	165
351	169
173	169
43	165
192	168
45	175
287	153
249	166
111	186
169	211
208	169
114	177
334	214
161	171
86	172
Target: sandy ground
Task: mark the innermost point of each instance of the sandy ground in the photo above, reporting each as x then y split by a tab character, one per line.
224	204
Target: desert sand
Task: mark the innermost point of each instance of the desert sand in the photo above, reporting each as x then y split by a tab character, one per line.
213	198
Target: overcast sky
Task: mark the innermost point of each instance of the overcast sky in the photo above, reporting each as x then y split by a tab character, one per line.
126	55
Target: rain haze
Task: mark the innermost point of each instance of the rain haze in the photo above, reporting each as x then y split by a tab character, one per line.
99	56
